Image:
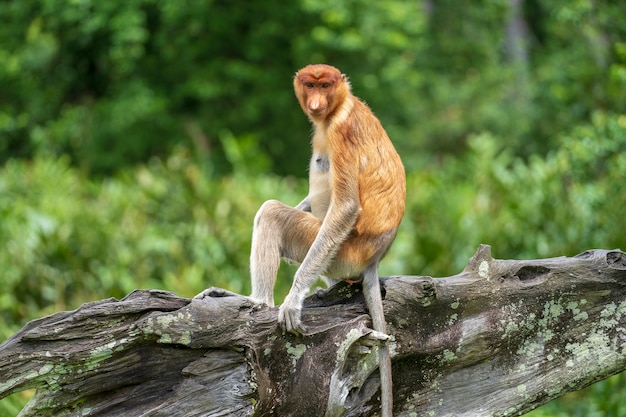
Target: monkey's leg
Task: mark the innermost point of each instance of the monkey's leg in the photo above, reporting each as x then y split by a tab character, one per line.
373	299
279	231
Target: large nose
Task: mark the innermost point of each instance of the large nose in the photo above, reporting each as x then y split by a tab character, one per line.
315	103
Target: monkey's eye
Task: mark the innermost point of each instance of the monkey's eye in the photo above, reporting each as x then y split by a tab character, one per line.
325	85
308	85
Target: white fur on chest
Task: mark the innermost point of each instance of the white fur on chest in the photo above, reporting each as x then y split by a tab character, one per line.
319	184
320	181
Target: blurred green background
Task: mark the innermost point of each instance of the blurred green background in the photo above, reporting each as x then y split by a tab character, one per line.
139	137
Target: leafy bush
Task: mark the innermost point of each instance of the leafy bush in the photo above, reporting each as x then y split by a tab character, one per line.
163	225
562	204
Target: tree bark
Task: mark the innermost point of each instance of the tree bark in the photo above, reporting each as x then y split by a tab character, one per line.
498	339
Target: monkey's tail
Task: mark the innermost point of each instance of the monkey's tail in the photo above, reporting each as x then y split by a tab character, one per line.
374	301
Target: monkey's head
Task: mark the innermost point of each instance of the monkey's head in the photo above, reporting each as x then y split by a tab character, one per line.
320	90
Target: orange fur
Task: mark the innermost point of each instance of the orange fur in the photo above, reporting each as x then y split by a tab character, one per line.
363	162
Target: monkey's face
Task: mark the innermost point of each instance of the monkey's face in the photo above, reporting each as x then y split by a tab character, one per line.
318	98
316	88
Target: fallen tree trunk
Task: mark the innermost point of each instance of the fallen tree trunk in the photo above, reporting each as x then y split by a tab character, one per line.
498	339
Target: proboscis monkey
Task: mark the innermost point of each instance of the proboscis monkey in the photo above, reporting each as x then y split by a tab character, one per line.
350	217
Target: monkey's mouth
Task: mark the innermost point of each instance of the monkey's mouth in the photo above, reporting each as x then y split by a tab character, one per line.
317	112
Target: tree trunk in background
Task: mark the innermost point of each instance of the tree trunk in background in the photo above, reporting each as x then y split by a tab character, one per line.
500	338
517	53
517	36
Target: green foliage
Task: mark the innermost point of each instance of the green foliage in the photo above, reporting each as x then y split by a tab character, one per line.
603	399
113	83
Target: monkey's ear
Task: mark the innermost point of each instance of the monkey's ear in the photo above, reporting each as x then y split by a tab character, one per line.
345	79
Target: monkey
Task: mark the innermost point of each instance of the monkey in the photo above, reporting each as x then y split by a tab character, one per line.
350	217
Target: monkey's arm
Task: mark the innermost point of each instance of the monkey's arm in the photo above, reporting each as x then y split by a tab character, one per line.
338	223
335	229
305	205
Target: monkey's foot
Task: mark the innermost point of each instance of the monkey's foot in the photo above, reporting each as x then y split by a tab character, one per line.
215	292
375	338
210	294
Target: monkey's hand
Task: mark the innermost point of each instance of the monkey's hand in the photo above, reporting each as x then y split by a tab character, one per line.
289	315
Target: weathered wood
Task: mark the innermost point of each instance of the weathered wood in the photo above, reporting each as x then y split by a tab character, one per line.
500	338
